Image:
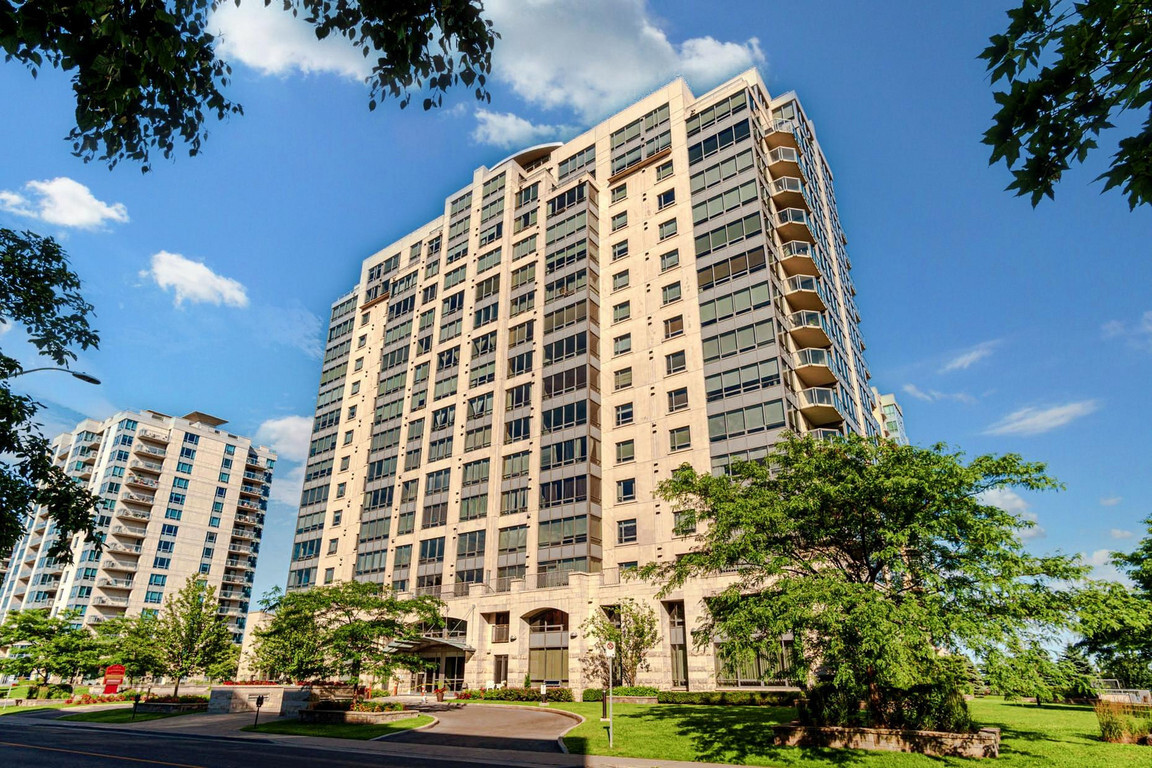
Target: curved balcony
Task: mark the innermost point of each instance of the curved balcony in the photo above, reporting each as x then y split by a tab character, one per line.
784	161
121	602
814	367
129	532
138	498
781	133
132	514
154	436
119	565
818	404
807	329
793	224
250	490
115	583
126	549
141	482
143	465
253	461
148	450
248	534
788	192
825	434
805	292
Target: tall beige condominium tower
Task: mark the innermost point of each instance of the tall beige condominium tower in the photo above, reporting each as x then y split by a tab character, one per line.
178	496
506	386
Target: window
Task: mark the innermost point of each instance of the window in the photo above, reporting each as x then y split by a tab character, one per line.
679	438
625	451
621	311
622	345
669	260
663	171
473	507
333	544
675	363
172	513
161	563
476	472
620	280
671	293
434	516
622	379
329	575
516	465
619	250
157	580
619	193
677	399
513	502
348	437
518	364
663	200
480	406
673	327
626	529
517	429
521	334
619	221
523	275
518	397
624	414
169	530
667	229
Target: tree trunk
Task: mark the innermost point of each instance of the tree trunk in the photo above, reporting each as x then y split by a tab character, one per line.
176	689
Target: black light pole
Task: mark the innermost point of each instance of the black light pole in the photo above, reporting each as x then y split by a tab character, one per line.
84	377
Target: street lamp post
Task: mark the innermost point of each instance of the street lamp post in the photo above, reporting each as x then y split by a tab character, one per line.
84	377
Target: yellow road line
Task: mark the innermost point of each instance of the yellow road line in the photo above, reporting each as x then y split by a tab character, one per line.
98	754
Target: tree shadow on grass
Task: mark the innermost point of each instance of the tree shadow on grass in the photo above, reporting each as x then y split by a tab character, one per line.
734	734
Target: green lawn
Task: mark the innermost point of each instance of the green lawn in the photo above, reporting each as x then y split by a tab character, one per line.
11	710
1049	737
338	730
119	715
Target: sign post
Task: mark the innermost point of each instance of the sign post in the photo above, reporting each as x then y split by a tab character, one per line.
259	703
610	653
113	677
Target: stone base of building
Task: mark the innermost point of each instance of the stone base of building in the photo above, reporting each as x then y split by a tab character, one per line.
983	743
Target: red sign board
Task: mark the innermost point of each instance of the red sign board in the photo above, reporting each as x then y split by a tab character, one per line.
113	677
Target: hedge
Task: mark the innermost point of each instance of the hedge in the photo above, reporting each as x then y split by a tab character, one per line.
516	694
729	698
597	694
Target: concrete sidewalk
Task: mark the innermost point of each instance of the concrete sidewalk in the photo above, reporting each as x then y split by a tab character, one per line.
228	726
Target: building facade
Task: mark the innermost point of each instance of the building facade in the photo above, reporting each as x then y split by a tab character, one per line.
178	497
890	417
505	387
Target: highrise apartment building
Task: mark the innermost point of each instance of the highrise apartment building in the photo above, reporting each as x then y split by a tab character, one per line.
890	416
506	386
178	497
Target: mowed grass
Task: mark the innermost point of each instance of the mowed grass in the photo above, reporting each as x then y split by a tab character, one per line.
338	730
1049	737
119	715
12	710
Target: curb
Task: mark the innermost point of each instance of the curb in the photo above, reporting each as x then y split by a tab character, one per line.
110	729
435	721
562	712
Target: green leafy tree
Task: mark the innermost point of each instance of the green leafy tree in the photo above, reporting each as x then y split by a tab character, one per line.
634	629
40	293
874	556
190	635
1070	68
131	642
146	75
45	645
1116	619
226	666
346	630
1023	672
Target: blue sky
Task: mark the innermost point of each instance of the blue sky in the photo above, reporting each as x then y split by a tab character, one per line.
1001	328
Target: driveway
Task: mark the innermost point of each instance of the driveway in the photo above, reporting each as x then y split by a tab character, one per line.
490	726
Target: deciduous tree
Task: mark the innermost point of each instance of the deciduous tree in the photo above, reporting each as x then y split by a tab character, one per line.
634	629
131	641
146	75
47	645
191	636
1071	68
874	556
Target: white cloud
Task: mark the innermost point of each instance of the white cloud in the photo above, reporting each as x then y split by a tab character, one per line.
934	395
288	436
194	282
504	129
1111	501
272	41
1138	334
597	55
286	486
64	202
4	327
969	357
1120	533
1102	568
1035	421
1013	503
293	327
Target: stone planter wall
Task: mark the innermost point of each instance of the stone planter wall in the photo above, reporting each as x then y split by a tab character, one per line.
367	718
635	699
278	699
984	743
156	707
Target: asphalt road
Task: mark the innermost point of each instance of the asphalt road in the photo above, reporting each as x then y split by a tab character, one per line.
42	745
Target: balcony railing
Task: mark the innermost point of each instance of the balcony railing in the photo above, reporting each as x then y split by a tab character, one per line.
146	466
128	530
115	583
138	498
148	450
147	482
151	434
429	589
133	514
552	579
500	633
118	601
116	565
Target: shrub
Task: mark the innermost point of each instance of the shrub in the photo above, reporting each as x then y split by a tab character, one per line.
729	698
597	694
188	699
61	691
524	694
377	706
1124	723
927	707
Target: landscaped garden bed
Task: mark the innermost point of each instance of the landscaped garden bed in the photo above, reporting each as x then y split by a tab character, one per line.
367	712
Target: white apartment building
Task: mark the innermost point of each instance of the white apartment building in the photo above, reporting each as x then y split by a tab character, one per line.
178	497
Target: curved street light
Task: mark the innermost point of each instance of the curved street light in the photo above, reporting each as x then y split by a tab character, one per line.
84	377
